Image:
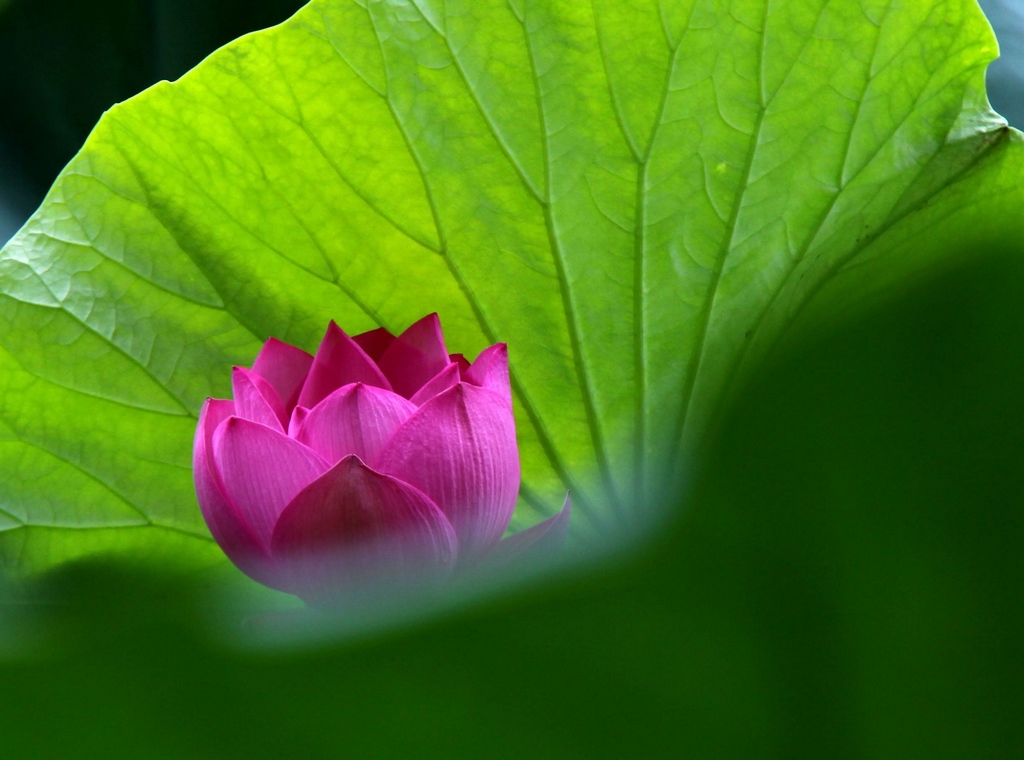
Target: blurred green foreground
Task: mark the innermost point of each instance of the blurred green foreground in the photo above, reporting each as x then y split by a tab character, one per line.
844	581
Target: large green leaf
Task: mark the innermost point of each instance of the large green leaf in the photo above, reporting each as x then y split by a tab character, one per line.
639	197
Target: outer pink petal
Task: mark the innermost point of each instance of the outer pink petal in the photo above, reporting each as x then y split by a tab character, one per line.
442	381
490	370
229	530
355	419
256	399
374	342
460	449
261	471
339	361
353	526
536	542
415	356
285	367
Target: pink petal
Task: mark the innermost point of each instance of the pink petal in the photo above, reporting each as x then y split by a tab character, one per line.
442	381
354	525
415	356
339	361
261	471
256	399
374	342
285	367
490	371
299	415
536	542
355	419
460	450
460	360
229	530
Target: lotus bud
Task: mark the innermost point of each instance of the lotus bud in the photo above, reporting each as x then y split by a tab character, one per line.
380	459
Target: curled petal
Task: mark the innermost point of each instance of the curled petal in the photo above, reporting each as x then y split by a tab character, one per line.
490	371
355	419
442	381
536	542
222	517
256	399
461	360
415	356
261	471
374	342
354	525
339	361
299	415
460	450
285	367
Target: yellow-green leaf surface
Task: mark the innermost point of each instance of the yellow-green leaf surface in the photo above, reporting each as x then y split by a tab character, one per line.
639	197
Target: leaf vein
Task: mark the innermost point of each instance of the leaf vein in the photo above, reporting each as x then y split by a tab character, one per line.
568	305
723	252
543	434
520	170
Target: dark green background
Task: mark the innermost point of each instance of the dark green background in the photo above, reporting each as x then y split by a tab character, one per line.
64	62
1006	75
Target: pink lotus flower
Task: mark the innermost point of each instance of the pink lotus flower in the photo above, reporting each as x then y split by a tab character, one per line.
379	459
